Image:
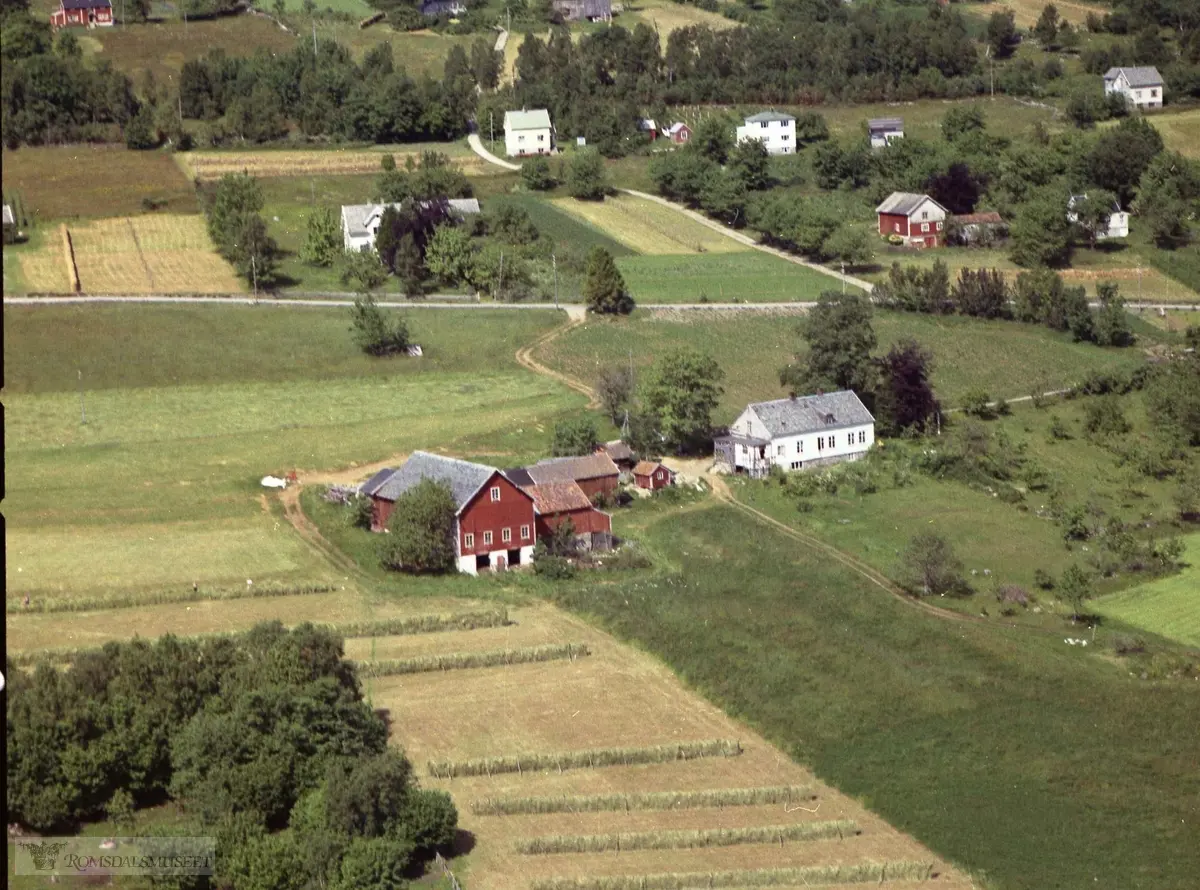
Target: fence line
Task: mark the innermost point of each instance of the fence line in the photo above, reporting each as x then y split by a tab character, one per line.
440	861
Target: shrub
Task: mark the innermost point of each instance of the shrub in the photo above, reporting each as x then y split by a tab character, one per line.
1043	579
1012	594
1058	430
1104	416
977	403
1123	644
550	565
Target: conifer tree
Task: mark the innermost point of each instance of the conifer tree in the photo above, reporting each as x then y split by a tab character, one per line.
603	287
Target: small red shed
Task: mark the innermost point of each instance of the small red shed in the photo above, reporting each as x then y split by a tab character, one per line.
85	13
652	475
680	133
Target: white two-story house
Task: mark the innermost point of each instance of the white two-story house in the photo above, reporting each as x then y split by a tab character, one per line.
528	133
1141	87
776	130
797	433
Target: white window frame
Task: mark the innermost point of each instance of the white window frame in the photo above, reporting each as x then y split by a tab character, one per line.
506	535
524	533
799	446
862	437
779	449
487	539
469	540
495	494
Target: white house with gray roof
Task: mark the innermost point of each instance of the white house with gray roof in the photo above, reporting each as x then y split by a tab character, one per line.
797	433
528	133
360	222
883	131
774	129
1142	87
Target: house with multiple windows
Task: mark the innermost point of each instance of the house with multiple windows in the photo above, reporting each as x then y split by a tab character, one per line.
1142	87
918	220
797	433
774	129
360	222
1116	227
528	133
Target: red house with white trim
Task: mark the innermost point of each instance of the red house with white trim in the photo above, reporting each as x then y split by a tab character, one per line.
652	475
495	523
918	219
679	133
84	13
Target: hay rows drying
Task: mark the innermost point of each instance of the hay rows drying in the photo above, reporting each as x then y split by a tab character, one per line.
158	597
858	873
383	628
209	166
462	660
596	757
654	800
423	624
683	840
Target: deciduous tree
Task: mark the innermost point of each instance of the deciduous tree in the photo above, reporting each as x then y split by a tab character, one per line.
421	530
373	332
323	238
614	389
574	437
681	391
840	339
904	397
586	179
930	567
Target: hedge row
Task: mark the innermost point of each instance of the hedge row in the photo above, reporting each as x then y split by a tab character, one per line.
682	840
597	757
424	624
460	660
14	606
859	873
655	800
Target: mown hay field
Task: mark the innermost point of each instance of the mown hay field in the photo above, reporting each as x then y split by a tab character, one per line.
64	182
751	276
210	165
1027	12
648	227
614	698
40	264
1168	606
665	17
1004	358
150	254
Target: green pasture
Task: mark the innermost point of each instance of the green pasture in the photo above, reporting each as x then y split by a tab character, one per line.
748	276
563	228
1027	762
1167	606
353	7
1005	358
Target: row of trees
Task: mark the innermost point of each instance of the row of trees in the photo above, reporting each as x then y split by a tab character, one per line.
264	738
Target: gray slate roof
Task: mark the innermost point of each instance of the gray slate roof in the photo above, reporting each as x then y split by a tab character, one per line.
463	477
573	469
768	116
355	216
1145	76
903	203
810	414
538	119
373	484
885	124
8	216
590	9
518	476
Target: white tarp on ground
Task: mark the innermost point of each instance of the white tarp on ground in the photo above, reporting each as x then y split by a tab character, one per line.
273	482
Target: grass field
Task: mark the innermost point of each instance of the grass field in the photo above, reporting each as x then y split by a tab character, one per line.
1005	358
751	276
923	118
951	732
665	17
210	165
150	254
1168	606
39	265
615	697
1026	12
563	227
417	52
1180	130
353	7
61	182
647	227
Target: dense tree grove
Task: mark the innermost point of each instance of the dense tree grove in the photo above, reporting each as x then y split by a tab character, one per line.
264	738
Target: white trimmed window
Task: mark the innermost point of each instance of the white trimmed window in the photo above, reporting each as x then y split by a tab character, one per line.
799	447
487	539
924	227
850	438
862	437
469	540
506	535
524	533
779	449
820	443
496	493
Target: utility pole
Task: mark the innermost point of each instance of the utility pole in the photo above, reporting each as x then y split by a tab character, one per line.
554	263
314	24
82	409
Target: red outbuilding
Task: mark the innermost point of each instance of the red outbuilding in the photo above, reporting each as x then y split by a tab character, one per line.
495	523
595	473
680	133
84	13
558	502
652	475
916	220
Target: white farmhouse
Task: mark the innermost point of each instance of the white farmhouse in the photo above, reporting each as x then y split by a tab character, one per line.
528	133
884	130
1118	220
360	222
797	433
776	130
1141	87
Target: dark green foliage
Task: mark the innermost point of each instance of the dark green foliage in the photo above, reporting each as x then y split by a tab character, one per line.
981	293
978	403
916	289
836	166
421	530
904	398
586	179
683	175
140	132
1047	27
1074	587
238	231
574	437
373	332
374	864
1168	195
750	163
367	797
1092	211
511	223
724	198
363	271
1040	233
603	287
1112	321
962	120
535	174
1002	34
682	390
1103	416
840	339
1121	155
323	237
930	568
429	820
712	137
1173	399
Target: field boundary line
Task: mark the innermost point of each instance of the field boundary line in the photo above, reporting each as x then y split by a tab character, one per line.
141	255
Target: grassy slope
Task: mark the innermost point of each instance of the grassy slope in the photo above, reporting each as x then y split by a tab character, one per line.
1035	764
1168	606
1006	358
748	276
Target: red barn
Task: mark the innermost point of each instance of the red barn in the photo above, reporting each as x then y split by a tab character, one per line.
558	502
680	133
652	475
917	219
595	473
495	524
86	13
